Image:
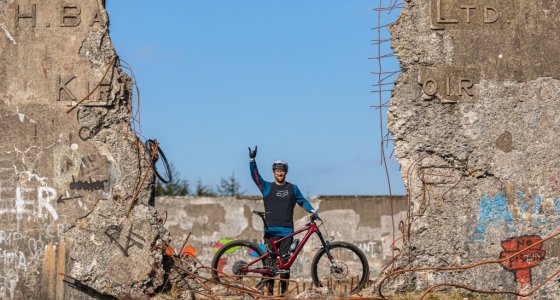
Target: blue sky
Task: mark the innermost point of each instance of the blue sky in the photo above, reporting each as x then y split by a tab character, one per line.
291	76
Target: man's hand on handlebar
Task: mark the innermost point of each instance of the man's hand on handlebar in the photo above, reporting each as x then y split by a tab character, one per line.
253	153
313	215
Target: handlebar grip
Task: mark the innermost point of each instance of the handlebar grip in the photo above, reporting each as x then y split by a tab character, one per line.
315	217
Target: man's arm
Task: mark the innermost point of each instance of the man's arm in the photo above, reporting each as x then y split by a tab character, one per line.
263	186
257	178
302	201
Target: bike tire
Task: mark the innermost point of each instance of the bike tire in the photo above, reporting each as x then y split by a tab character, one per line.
349	258
223	268
160	155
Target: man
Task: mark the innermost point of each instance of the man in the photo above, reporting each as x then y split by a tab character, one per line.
280	198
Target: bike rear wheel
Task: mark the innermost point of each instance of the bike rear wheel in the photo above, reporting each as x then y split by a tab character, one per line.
347	272
231	257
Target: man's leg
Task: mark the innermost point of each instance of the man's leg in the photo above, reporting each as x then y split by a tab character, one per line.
283	248
269	262
284	283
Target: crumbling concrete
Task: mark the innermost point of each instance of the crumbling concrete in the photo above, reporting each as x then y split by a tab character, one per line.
67	179
474	115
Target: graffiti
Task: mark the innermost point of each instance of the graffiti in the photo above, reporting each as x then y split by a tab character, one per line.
8	284
87	133
213	229
44	196
496	213
90	185
21	204
61	200
114	234
221	264
13	259
55	230
493	211
9	238
521	264
220	244
370	249
36	248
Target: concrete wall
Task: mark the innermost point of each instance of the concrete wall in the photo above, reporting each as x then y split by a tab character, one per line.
67	178
474	116
362	220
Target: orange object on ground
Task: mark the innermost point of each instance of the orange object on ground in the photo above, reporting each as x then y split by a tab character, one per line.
189	250
169	251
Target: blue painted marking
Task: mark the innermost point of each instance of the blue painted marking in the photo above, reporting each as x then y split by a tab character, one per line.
494	211
540	219
557	205
523	205
537	204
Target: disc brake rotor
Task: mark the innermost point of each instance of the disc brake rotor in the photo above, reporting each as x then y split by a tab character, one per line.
339	270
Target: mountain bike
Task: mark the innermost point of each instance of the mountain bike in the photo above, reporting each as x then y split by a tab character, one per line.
339	265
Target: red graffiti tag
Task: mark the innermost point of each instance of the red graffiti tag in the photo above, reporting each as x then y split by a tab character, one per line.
522	263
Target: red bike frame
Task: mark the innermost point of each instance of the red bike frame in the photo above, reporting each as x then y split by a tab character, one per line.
311	229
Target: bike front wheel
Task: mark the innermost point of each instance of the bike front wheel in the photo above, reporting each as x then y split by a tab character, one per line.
342	267
229	261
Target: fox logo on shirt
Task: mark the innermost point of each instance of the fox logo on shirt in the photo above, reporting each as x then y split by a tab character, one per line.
282	193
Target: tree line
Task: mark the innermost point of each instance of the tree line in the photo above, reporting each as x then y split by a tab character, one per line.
179	186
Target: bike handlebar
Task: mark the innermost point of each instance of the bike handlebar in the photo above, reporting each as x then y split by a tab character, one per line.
263	214
314	217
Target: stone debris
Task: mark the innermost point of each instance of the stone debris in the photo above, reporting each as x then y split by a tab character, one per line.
317	293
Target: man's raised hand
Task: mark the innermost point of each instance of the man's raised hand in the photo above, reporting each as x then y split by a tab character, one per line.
252	153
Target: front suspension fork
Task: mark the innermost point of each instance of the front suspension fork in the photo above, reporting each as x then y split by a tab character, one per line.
327	246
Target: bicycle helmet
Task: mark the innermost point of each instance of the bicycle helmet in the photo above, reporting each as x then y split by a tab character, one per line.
280	165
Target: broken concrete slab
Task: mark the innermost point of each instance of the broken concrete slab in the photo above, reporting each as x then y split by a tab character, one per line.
68	176
473	115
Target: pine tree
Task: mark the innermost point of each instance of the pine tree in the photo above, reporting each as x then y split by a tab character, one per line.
230	186
204	190
177	187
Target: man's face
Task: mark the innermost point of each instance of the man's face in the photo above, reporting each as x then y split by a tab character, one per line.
280	175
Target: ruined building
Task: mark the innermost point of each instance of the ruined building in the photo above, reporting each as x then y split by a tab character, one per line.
474	115
74	216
